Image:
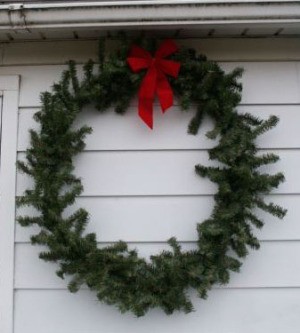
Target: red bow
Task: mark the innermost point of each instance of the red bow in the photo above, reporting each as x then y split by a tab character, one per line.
155	80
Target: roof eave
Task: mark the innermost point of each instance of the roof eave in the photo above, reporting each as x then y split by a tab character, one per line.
145	14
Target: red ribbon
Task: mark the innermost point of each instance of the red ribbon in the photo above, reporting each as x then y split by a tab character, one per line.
155	80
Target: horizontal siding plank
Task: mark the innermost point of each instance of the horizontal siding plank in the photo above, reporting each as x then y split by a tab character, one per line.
229	49
148	173
264	82
148	219
267	267
226	311
170	130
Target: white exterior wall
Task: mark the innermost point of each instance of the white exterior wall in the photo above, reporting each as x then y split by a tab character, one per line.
140	186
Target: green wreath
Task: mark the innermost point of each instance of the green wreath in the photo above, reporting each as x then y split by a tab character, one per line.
116	273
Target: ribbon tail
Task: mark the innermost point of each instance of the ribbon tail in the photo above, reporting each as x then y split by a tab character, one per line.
146	111
164	92
146	96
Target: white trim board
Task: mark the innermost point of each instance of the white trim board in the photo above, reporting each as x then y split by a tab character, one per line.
9	83
9	86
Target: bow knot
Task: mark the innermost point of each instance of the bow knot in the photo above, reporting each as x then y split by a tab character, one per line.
155	80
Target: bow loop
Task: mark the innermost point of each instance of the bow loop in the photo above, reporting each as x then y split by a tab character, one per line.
155	80
169	67
138	52
139	59
167	48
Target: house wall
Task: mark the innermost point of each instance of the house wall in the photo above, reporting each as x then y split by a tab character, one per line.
140	186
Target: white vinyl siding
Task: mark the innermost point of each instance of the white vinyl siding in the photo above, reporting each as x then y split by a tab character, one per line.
140	186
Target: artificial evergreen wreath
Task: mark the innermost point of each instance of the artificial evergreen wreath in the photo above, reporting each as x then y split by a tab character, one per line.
116	273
